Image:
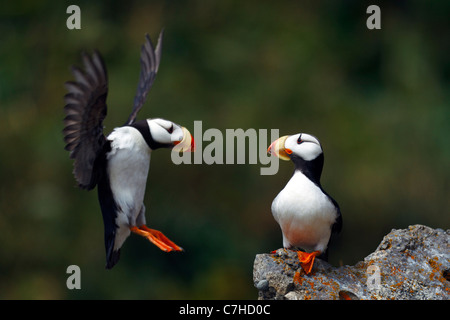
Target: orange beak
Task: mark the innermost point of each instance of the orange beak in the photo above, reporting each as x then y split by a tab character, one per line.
187	144
277	149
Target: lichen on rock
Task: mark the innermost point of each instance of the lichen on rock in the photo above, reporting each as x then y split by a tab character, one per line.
411	263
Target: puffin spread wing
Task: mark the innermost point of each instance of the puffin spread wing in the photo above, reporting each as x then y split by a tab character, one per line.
85	111
150	59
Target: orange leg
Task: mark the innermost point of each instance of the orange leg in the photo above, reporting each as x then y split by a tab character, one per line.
157	238
307	260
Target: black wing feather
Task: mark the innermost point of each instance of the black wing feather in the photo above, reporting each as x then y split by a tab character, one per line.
150	59
337	226
85	111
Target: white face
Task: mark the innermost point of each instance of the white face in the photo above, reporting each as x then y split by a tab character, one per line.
303	145
164	131
170	134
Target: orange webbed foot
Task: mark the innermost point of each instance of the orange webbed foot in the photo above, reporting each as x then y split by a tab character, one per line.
307	260
157	238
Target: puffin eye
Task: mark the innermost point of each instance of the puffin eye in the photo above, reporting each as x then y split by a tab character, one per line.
299	140
170	129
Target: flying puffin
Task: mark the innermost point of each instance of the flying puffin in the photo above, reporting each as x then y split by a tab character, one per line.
307	215
119	163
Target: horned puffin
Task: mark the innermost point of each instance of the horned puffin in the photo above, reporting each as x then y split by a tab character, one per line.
118	164
307	215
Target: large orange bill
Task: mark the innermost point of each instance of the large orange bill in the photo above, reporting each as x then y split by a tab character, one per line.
186	144
277	149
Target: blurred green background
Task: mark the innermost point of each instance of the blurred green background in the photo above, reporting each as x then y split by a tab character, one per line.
378	100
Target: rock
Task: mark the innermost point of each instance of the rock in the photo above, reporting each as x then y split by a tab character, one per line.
411	263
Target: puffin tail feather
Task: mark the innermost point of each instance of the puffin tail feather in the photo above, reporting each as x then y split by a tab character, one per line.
112	258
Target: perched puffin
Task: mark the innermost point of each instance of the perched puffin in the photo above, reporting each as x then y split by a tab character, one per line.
307	215
119	163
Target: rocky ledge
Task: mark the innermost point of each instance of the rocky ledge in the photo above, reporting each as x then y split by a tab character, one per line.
411	263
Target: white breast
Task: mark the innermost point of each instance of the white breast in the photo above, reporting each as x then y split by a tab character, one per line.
304	213
128	165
